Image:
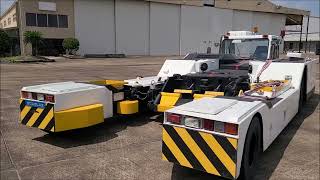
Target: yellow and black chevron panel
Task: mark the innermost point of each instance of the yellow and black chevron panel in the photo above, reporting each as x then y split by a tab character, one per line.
42	118
198	150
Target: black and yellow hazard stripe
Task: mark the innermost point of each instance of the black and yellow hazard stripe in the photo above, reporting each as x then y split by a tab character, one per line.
198	150
37	117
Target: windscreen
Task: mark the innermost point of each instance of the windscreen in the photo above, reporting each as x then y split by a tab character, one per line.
246	48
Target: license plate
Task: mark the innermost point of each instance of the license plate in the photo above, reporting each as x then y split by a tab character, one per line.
35	104
192	122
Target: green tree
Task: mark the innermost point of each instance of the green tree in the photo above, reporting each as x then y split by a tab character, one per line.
34	38
70	45
5	42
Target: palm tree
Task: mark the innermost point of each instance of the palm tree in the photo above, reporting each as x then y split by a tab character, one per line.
34	38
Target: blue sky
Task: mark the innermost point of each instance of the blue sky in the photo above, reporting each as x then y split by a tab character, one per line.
311	5
5	4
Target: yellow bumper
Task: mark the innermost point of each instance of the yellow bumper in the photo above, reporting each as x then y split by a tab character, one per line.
199	150
49	120
169	100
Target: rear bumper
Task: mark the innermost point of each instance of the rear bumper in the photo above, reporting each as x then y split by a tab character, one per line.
37	117
201	151
49	120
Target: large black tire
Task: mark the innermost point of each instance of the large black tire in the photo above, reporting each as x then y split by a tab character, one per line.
252	150
302	97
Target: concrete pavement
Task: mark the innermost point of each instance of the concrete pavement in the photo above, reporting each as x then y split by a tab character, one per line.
126	148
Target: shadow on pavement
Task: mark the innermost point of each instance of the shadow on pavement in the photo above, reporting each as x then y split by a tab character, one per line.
94	134
270	158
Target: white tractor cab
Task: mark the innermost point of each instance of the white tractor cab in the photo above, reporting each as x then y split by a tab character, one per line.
65	106
250	46
225	134
237	48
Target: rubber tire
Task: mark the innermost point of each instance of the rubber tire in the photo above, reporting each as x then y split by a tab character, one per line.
302	93
252	150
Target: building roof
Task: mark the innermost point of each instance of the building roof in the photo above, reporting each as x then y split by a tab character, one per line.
259	6
184	2
294	16
248	5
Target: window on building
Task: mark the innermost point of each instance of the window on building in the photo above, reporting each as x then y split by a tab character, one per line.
1	25
291	45
4	23
63	21
42	20
52	20
9	21
14	18
31	19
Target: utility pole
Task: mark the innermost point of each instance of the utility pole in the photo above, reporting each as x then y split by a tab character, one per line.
305	49
300	34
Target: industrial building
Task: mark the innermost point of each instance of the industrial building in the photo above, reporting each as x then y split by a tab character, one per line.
148	27
310	36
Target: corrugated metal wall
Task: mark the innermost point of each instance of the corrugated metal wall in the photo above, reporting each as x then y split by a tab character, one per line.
132	27
94	26
144	28
164	29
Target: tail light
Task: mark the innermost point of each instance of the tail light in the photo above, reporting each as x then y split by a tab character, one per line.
174	118
265	36
231	128
208	125
219	126
26	95
49	98
34	96
227	128
40	97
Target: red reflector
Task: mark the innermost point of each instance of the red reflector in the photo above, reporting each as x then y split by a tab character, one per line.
208	125
34	96
49	98
231	128
174	118
24	94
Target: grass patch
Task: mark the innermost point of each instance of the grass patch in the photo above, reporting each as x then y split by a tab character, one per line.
19	59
